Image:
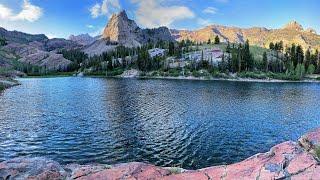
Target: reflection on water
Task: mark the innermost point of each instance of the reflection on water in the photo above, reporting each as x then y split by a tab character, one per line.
192	124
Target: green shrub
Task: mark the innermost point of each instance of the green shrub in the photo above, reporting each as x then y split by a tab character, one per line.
317	151
174	72
1	87
283	76
311	69
220	75
115	72
187	73
196	73
154	73
3	42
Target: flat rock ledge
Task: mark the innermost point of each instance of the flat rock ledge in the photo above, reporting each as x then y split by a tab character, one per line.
288	160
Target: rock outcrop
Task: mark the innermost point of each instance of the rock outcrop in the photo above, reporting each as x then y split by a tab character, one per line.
33	55
126	32
293	32
288	160
36	50
123	31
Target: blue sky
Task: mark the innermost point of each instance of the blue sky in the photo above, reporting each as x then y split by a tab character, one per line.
60	18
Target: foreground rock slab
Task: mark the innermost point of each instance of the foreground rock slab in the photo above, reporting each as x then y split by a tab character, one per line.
288	160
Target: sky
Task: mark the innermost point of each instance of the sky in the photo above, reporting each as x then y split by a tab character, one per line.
61	18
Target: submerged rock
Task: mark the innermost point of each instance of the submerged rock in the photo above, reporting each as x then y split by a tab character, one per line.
288	160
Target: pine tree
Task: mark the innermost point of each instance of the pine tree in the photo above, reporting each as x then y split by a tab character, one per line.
247	57
171	48
280	46
317	61
239	56
299	54
293	55
228	49
271	46
265	62
217	40
209	41
308	58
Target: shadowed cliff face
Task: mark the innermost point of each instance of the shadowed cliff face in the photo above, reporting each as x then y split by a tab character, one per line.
288	160
293	32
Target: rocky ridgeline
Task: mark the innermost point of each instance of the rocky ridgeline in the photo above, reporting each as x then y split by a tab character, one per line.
37	50
293	32
288	160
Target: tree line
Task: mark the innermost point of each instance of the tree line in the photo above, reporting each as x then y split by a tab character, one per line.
292	61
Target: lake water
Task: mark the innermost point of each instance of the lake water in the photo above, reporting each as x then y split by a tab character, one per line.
190	124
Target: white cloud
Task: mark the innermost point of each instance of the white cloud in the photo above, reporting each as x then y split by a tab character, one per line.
5	12
105	8
95	10
210	10
29	13
151	13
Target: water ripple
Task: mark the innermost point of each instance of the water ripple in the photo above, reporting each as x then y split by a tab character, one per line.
192	124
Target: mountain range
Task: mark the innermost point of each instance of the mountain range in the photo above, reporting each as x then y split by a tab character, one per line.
120	30
291	33
125	31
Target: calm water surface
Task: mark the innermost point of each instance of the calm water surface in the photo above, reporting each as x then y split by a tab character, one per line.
192	124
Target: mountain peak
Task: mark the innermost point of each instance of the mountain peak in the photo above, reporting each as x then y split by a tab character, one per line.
124	31
293	25
123	13
121	29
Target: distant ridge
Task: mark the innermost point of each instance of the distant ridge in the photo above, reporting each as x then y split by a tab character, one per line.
291	33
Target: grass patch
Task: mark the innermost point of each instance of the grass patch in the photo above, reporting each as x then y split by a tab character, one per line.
283	76
253	75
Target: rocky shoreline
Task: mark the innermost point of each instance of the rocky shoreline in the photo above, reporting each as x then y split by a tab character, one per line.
6	83
133	73
288	160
